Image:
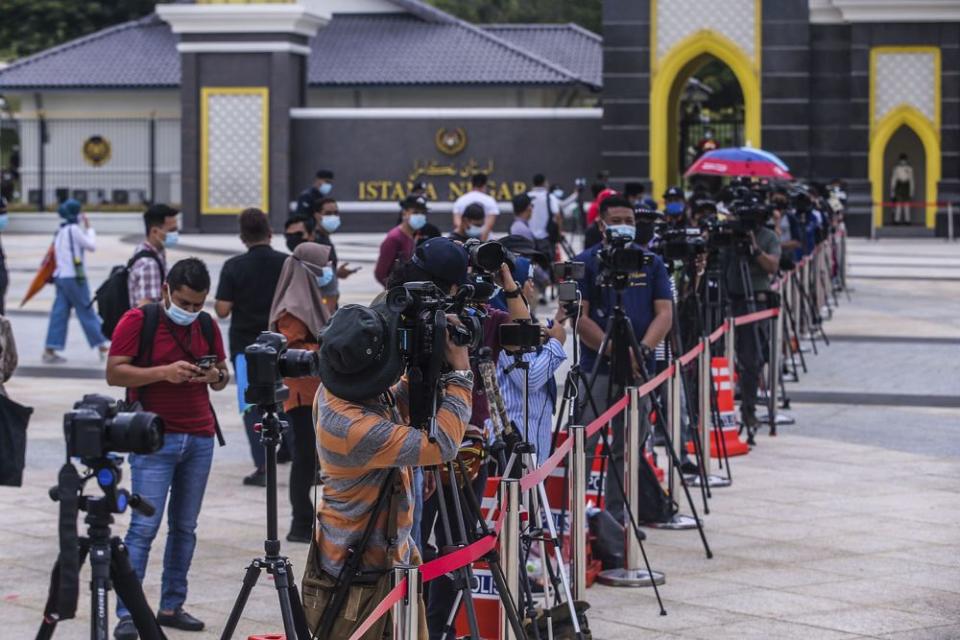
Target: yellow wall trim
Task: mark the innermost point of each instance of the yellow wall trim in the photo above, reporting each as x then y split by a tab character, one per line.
205	94
905	115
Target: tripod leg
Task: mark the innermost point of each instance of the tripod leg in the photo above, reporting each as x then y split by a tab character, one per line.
281	578
249	580
128	588
299	618
448	533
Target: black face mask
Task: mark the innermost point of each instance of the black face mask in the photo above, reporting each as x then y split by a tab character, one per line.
294	240
644	233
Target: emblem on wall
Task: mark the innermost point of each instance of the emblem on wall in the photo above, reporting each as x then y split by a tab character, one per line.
96	150
451	141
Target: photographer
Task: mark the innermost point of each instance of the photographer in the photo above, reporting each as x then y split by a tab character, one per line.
647	302
762	256
167	355
363	433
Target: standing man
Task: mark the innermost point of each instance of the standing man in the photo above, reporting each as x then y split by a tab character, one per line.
326	215
901	190
162	372
648	304
547	218
398	246
246	287
471	224
321	188
147	272
4	278
478	194
522	213
675	207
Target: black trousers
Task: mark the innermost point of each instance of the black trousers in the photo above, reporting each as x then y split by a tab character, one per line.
440	592
303	468
749	360
4	281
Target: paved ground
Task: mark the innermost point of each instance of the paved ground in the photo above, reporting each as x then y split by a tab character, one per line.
843	526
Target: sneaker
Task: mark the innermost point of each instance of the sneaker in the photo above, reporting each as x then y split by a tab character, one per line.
690	468
52	357
125	629
256	479
179	619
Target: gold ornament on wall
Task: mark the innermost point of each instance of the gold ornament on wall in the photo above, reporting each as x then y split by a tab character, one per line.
96	150
451	141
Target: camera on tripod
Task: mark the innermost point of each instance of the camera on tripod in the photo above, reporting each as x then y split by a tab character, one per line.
98	425
682	244
269	361
619	260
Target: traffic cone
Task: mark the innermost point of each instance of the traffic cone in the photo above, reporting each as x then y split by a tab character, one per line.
728	416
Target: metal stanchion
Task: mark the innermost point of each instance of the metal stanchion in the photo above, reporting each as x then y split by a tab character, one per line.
632	575
510	547
671	404
949	221
577	479
406	612
704	383
729	348
773	368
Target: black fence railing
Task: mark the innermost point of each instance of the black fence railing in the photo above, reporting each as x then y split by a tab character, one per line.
116	162
726	133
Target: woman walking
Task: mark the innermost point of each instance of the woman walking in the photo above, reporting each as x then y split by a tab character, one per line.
299	312
70	244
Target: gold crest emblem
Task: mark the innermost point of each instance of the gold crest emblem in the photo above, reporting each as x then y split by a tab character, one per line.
451	141
96	150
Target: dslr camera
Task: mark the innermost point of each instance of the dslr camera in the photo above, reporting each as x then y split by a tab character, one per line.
682	244
99	425
269	361
619	260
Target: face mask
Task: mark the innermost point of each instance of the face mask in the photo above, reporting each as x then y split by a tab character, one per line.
325	188
417	220
294	240
4	219
173	237
325	277
674	208
644	232
558	193
627	231
474	231
330	223
179	316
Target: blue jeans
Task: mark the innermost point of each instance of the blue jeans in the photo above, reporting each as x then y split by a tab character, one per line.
179	468
416	529
72	294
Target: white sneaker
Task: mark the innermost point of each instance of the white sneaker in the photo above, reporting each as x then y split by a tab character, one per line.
53	358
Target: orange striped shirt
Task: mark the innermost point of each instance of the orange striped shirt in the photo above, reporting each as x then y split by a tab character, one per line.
358	444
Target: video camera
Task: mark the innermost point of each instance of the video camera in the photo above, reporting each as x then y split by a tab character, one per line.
98	425
682	244
749	214
619	260
269	361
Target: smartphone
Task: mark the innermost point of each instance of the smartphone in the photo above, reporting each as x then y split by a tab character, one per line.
206	362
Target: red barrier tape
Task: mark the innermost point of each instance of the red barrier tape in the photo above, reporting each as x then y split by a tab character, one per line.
691	355
396	595
756	317
540	474
605	417
718	332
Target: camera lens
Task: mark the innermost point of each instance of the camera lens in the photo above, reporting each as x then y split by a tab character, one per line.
139	432
299	363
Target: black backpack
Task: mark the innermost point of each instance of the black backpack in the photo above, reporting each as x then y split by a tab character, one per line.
151	320
113	296
654	505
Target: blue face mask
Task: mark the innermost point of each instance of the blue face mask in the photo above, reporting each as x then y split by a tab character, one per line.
417	220
674	208
325	277
325	188
627	231
474	231
330	223
180	316
173	237
4	220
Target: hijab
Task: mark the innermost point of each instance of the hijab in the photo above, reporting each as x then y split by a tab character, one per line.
69	211
297	290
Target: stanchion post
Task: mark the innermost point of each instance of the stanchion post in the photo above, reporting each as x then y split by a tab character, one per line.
577	479
510	547
949	221
776	347
676	428
406	612
729	348
704	411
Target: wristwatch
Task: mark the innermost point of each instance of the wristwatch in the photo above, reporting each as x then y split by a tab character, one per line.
221	376
513	294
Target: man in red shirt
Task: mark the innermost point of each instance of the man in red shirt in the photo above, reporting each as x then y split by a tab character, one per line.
170	374
398	246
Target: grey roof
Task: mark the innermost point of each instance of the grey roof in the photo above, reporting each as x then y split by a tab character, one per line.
422	45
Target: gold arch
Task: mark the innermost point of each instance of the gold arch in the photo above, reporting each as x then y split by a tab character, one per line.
671	67
879	137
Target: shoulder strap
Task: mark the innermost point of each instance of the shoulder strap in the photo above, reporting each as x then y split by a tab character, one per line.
206	328
151	320
146	253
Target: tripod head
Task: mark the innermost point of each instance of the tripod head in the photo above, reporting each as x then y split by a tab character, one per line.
108	474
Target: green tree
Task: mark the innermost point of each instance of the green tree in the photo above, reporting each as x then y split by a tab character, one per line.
28	26
585	13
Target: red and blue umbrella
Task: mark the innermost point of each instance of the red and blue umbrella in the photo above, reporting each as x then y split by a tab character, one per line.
740	162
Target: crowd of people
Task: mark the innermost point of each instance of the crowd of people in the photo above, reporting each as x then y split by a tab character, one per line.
349	427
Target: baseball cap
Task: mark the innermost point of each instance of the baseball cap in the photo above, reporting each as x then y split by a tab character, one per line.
673	192
418	203
443	259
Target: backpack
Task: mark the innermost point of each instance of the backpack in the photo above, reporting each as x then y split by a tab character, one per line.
151	320
113	296
654	504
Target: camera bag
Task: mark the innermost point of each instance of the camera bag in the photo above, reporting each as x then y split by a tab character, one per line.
148	332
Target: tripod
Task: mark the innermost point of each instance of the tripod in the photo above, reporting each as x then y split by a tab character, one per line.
291	610
109	562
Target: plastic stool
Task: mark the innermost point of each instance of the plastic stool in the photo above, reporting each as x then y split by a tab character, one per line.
269	636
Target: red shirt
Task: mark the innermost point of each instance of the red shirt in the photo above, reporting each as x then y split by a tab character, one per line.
397	246
594	209
185	407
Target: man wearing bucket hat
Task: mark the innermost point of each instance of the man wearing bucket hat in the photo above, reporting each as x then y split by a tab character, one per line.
363	434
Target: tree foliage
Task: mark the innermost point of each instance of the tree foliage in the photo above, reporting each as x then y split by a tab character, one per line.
586	13
28	26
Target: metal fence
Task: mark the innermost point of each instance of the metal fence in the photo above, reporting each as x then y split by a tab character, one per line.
115	162
727	133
